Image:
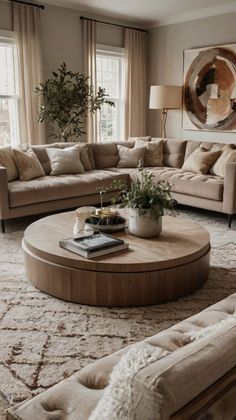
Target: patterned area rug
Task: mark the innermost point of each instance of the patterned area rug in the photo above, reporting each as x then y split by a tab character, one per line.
43	339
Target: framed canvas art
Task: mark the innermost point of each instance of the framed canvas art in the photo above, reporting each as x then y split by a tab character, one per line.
209	79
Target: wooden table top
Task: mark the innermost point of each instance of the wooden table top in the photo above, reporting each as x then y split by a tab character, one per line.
179	243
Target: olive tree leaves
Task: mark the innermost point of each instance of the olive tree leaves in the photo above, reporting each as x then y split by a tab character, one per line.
67	99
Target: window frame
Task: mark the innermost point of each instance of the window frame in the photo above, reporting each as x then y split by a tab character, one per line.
119	52
9	37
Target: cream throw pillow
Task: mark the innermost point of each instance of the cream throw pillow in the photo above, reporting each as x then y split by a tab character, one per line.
201	160
28	165
154	152
7	160
131	158
65	161
228	156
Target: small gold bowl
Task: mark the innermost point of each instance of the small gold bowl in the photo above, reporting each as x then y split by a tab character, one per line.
105	213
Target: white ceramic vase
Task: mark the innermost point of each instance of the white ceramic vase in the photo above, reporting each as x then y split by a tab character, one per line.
143	226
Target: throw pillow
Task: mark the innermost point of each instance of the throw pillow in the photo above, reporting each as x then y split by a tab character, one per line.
154	152
7	160
131	158
228	155
65	161
201	160
27	164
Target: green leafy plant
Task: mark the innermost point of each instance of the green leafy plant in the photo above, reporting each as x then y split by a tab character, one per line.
67	99
145	194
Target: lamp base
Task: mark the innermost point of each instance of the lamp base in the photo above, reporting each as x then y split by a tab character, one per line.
163	122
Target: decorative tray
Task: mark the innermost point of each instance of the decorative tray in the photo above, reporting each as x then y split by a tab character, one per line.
108	224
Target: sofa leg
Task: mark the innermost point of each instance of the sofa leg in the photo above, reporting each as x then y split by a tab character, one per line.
3	225
229	220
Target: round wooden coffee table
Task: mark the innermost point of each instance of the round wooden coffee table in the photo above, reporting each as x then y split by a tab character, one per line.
151	271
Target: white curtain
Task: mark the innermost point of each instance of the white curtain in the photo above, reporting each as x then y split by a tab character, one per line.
26	25
135	92
89	49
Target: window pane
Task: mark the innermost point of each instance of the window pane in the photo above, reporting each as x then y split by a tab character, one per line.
7	69
110	78
9	116
9	128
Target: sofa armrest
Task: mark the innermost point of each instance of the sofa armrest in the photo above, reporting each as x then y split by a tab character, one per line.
4	202
229	198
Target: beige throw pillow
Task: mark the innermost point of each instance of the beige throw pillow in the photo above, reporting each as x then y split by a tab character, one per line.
131	158
154	152
7	160
228	156
28	165
201	160
65	161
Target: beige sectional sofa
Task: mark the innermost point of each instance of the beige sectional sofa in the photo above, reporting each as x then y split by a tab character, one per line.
50	193
194	378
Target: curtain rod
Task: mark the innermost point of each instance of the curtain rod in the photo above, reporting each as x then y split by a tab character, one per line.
113	24
28	3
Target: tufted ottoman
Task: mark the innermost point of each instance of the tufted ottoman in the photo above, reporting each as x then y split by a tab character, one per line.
196	380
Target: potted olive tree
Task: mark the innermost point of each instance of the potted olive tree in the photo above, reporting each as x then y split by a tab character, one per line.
67	99
146	201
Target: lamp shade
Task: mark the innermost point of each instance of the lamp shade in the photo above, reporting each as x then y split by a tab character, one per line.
169	97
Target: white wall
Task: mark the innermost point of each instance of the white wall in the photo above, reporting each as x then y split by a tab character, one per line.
62	35
165	64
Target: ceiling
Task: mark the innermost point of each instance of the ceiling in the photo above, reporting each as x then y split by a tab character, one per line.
151	12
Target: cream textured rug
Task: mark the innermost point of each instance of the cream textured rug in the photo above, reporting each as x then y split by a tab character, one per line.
43	339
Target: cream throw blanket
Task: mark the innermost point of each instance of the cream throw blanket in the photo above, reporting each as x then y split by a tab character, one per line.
117	402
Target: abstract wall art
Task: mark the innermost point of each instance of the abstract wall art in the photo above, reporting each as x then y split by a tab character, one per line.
209	79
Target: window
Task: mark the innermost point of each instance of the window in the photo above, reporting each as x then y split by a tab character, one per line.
9	119
110	76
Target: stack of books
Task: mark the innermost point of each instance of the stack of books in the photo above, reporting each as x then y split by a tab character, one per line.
94	246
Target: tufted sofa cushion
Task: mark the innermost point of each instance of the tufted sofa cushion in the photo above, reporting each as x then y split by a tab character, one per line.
48	188
204	186
167	384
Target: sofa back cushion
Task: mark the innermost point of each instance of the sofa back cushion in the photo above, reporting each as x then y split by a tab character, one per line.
41	152
106	155
7	160
144	138
174	152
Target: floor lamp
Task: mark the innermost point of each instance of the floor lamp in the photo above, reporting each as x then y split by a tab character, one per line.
164	98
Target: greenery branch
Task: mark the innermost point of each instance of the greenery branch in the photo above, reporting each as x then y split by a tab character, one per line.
144	194
67	99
